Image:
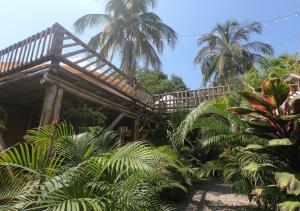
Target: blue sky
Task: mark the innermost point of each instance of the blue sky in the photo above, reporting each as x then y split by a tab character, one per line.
22	18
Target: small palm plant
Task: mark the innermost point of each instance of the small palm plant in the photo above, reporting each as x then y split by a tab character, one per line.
58	170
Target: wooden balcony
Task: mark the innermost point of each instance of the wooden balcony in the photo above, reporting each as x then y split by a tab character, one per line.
58	47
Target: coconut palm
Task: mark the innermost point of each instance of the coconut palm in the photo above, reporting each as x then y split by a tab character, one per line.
227	52
131	31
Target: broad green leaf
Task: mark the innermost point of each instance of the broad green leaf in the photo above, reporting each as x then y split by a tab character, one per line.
275	90
289	182
289	206
256	102
280	142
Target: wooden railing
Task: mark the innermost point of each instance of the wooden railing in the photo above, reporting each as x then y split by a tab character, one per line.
30	51
188	99
58	46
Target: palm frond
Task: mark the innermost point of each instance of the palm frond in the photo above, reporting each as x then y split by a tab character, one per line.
91	20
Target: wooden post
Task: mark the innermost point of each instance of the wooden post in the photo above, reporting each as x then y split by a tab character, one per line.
136	133
121	135
150	129
51	105
115	122
57	43
58	102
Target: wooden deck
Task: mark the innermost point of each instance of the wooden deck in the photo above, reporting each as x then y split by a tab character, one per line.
58	46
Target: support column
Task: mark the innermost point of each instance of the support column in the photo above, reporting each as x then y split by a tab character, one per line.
121	131
51	104
115	122
136	128
57	103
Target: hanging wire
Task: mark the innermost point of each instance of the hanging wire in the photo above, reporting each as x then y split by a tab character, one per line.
264	23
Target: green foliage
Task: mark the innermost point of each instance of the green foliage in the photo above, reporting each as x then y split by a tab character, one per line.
273	115
81	115
289	206
156	82
87	172
245	146
281	66
270	113
288	182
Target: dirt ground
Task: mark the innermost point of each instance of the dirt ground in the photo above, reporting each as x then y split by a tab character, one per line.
212	195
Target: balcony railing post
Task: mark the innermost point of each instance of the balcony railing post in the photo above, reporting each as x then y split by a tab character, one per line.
57	43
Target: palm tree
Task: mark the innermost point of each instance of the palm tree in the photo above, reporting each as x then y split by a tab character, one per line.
131	31
227	51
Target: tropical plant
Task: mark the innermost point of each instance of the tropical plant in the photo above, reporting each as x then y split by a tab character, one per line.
130	30
282	66
236	151
227	51
156	82
272	114
207	131
86	172
275	116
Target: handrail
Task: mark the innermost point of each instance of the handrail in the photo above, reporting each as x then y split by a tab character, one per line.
188	99
28	51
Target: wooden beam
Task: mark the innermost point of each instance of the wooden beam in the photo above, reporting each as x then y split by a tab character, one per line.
116	121
87	95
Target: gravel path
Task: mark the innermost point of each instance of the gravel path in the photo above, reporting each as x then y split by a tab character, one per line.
212	195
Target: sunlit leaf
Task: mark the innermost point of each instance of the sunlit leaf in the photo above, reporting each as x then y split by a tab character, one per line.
280	142
289	182
256	102
289	206
275	90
